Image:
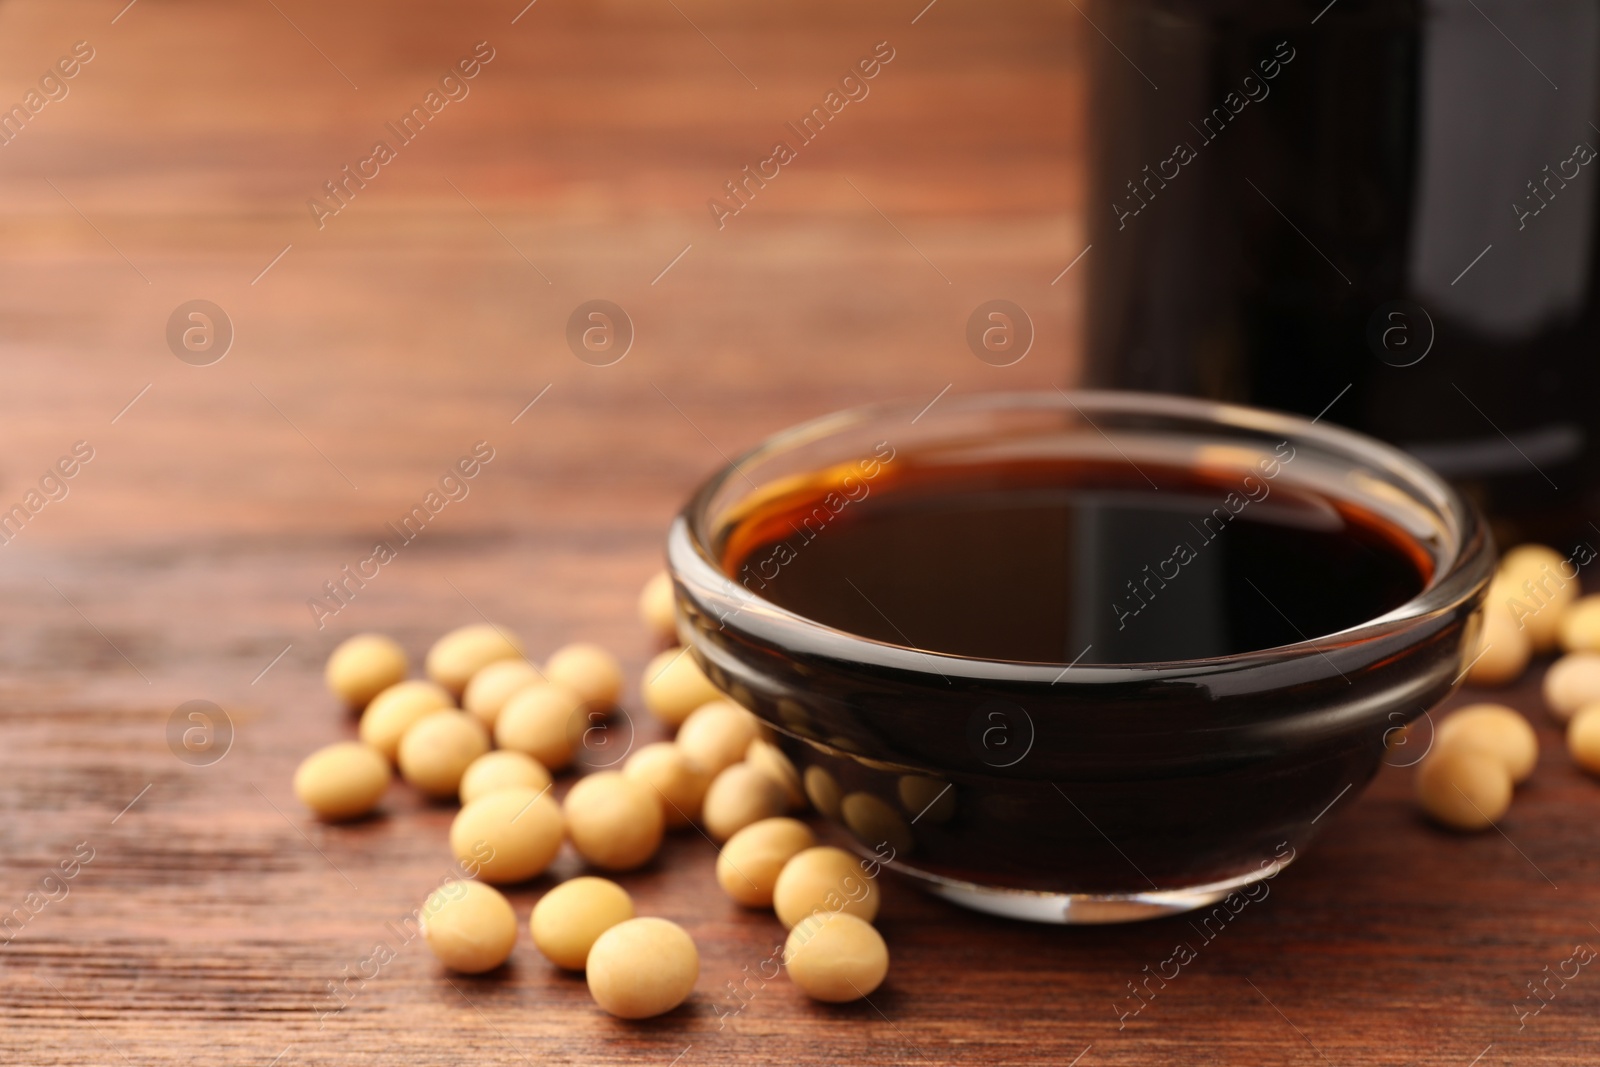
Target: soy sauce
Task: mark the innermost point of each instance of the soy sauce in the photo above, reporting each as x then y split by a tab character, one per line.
1045	561
1110	733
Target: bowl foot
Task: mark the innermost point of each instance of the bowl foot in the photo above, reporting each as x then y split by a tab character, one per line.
1081	908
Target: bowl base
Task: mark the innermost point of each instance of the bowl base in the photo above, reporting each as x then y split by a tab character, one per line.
1080	908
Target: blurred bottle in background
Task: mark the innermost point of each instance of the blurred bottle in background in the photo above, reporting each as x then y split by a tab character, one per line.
1381	209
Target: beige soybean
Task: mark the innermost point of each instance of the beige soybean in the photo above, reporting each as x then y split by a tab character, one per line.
439	748
767	758
1531	587
1541	625
588	670
1580	626
823	791
497	683
824	879
876	823
614	821
795	716
364	666
680	783
717	734
343	780
673	685
395	710
642	967
461	653
1583	738
739	796
469	926
1529	561
543	721
503	769
1543	566
1502	652
1463	787
508	836
836	958
1497	730
656	608
927	800
1571	682
749	864
569	919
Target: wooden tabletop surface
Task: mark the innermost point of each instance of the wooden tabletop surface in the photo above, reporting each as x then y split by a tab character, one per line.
206	914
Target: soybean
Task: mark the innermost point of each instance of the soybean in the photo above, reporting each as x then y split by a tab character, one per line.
680	783
1502	652
542	721
437	750
824	879
642	967
823	791
1531	588
1497	730
717	734
874	822
342	781
614	821
656	608
508	836
1571	682
364	666
569	919
497	683
461	653
1529	561
395	710
749	864
739	796
673	686
836	958
930	800
1463	787
469	926
767	758
1583	738
588	670
503	769
1580	626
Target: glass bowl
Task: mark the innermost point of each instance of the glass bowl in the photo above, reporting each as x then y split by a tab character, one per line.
1089	792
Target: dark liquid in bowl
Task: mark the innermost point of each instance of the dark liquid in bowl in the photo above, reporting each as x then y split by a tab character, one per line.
1047	562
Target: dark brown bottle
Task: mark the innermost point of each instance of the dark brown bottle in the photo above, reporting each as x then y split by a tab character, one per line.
1385	210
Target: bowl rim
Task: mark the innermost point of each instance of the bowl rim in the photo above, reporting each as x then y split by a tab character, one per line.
1463	574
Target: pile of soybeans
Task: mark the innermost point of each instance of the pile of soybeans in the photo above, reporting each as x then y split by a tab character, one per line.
1480	753
491	728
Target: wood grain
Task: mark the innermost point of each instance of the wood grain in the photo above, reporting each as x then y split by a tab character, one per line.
422	319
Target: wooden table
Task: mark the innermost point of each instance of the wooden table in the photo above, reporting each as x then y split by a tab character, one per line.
426	316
